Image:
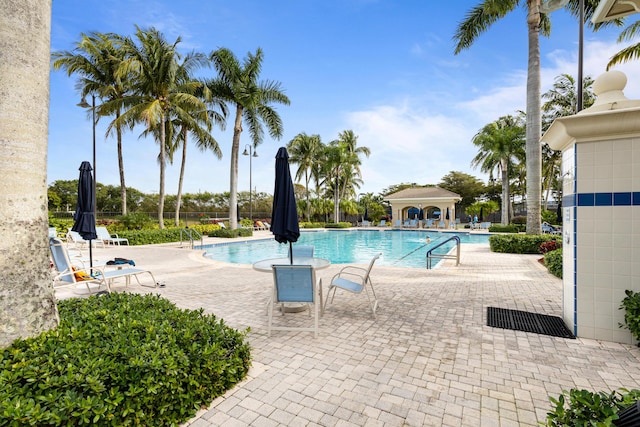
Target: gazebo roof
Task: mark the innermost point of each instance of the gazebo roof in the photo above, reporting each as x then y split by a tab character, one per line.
423	193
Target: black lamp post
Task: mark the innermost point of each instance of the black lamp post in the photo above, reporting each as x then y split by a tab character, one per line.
83	103
249	151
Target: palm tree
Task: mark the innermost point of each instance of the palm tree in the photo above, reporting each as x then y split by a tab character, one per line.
631	52
96	59
238	85
162	90
560	101
28	304
304	150
478	20
498	146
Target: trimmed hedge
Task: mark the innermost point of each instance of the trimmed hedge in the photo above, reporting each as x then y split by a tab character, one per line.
497	228
120	360
520	243
585	408
553	261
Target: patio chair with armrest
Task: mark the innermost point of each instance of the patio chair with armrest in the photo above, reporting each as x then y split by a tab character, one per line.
295	284
98	275
355	279
108	238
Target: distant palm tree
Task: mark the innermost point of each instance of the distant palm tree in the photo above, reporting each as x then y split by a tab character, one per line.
500	144
477	21
96	59
162	90
238	85
304	150
631	52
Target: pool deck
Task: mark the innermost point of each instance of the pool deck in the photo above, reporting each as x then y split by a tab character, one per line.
428	359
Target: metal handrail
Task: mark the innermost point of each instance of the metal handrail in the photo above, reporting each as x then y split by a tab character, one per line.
189	233
430	254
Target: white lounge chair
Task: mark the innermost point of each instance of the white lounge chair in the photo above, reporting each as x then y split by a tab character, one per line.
295	284
74	238
355	279
95	277
108	238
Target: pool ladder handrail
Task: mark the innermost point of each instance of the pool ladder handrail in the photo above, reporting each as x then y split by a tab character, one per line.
189	233
431	255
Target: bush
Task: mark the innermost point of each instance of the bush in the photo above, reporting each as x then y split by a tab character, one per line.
136	221
553	261
338	225
519	243
519	220
586	408
549	246
497	228
631	305
120	359
228	233
311	225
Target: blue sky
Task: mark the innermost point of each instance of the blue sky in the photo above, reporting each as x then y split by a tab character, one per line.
382	68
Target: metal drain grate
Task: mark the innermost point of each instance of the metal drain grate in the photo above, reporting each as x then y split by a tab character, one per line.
527	322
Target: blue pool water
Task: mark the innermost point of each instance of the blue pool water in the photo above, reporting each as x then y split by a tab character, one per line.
400	248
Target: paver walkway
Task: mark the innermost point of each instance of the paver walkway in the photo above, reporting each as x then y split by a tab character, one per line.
427	360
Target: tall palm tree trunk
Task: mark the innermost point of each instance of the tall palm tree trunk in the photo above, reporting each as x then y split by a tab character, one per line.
181	179
233	174
27	301
163	149
533	147
123	186
504	217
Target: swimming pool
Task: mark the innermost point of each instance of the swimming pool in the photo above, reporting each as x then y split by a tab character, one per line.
400	248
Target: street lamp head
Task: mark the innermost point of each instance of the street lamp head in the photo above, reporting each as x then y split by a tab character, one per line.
245	152
255	153
83	103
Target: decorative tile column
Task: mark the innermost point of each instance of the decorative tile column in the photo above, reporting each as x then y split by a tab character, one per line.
601	209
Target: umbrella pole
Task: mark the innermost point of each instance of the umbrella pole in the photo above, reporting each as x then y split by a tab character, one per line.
291	252
90	258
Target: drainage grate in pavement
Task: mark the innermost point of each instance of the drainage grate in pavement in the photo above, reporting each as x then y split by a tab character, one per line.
527	322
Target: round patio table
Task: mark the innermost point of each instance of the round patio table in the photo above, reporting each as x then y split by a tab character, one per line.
265	266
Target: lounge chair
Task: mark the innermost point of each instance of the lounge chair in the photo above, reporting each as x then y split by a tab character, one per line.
365	223
428	223
397	223
108	238
549	229
295	284
355	279
405	224
413	223
95	277
258	225
441	224
383	223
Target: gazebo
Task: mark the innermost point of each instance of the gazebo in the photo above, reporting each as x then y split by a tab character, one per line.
435	202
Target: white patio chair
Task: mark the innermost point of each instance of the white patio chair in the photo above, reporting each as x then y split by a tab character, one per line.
355	279
108	238
295	284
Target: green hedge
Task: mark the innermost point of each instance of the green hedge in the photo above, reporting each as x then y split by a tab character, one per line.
585	408
497	228
553	261
311	225
227	233
120	360
520	243
338	225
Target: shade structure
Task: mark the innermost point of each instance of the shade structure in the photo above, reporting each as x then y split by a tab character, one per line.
447	215
84	216
559	213
482	214
421	214
284	215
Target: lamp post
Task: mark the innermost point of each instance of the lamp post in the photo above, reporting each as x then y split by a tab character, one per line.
251	152
83	103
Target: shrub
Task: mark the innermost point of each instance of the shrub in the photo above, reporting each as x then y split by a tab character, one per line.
338	225
120	359
246	222
228	233
135	221
553	261
631	305
519	220
311	225
497	228
588	408
549	246
519	243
